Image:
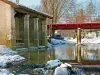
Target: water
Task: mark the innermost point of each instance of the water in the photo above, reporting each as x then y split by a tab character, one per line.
38	57
65	52
89	52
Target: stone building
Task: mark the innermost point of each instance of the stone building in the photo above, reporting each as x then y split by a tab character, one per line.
21	26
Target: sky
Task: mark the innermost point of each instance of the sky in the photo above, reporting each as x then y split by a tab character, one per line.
30	2
37	2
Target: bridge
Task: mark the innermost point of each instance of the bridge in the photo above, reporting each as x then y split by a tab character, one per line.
53	27
93	25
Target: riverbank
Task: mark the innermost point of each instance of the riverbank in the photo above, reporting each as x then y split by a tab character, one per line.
41	69
36	64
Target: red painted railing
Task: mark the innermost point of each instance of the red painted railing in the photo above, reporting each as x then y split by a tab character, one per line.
75	26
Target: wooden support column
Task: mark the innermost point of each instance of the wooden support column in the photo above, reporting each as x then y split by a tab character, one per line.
79	53
26	31
78	45
36	33
78	36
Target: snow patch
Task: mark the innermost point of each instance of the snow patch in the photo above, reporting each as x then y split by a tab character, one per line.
9	56
57	42
53	63
4	72
6	51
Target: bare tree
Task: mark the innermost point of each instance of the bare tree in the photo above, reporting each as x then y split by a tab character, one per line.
56	8
17	1
37	7
80	16
90	10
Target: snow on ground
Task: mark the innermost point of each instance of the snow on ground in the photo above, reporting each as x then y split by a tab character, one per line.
95	40
53	63
6	51
4	72
91	40
63	68
5	59
70	40
56	42
9	56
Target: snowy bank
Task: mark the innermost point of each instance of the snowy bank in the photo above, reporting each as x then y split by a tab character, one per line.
6	51
57	42
53	63
9	56
63	68
4	72
6	59
95	40
70	40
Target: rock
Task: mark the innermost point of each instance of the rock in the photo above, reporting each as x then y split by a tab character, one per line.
64	69
38	65
32	66
93	74
11	74
67	69
61	71
23	74
38	71
53	63
49	72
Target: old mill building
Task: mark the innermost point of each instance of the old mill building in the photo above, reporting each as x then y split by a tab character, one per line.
21	26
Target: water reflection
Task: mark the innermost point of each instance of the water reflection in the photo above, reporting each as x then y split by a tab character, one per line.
64	52
80	52
90	52
35	56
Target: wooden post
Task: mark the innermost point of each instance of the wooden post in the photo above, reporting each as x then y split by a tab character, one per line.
78	36
78	53
78	45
